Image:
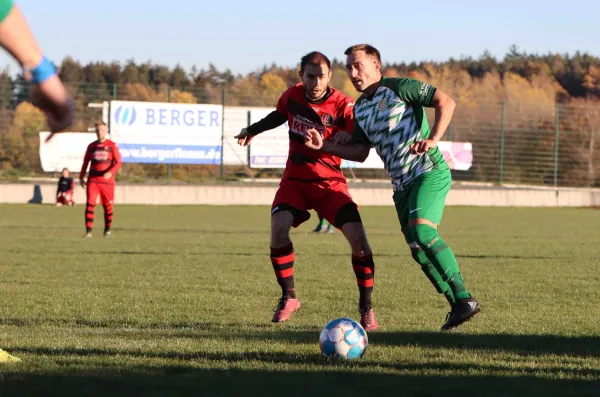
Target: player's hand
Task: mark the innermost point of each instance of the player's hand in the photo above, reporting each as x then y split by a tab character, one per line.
107	175
420	147
52	98
244	137
313	139
342	138
82	183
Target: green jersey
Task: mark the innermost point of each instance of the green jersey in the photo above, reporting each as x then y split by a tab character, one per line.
5	8
391	120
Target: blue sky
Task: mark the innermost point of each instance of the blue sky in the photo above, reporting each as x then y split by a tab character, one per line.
245	35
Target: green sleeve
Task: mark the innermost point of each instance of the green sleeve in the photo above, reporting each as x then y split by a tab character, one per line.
359	136
413	91
5	7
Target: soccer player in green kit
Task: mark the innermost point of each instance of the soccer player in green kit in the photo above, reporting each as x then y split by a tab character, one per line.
18	40
390	116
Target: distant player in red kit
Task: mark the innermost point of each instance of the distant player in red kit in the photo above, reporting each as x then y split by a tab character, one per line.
105	159
64	190
314	180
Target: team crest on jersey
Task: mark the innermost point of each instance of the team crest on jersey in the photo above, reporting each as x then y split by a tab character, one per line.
382	105
327	119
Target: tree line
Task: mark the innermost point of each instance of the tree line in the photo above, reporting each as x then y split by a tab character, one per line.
521	94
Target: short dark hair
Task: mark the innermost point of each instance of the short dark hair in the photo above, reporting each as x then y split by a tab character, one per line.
65	169
99	123
314	58
367	48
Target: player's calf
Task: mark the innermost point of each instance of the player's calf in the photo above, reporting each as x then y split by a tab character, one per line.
282	259
349	221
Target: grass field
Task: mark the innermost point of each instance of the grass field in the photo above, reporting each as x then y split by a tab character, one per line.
179	303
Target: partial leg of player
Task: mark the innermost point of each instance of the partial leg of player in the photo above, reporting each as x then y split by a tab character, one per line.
339	209
92	193
426	207
282	259
107	194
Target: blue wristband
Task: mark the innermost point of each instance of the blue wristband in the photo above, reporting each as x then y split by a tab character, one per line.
43	71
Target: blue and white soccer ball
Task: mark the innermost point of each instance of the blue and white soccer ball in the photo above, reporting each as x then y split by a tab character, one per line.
345	338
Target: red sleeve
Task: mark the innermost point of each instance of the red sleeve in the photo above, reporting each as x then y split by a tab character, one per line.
116	160
283	101
86	161
348	114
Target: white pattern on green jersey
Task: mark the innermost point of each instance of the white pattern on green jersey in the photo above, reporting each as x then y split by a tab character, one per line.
391	120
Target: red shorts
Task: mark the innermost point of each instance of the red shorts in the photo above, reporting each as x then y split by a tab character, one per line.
106	191
324	197
65	198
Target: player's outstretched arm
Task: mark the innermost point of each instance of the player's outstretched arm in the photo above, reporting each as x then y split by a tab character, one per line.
49	94
270	121
353	151
16	37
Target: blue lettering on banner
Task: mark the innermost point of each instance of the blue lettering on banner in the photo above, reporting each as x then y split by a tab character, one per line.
191	118
156	116
169	154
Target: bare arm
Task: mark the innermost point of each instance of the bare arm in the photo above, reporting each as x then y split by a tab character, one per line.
353	152
18	40
444	109
48	94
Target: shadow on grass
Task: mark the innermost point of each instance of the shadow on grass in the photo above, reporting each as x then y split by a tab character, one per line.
172	373
526	344
176	380
270	357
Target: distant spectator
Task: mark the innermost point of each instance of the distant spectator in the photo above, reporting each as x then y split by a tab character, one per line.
64	191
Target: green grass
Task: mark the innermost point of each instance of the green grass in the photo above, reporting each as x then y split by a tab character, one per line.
179	303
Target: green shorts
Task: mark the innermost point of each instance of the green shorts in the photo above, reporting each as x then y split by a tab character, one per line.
424	198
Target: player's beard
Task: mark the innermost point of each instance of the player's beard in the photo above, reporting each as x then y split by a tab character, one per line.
358	85
311	97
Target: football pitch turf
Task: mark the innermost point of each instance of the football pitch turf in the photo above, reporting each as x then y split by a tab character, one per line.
179	301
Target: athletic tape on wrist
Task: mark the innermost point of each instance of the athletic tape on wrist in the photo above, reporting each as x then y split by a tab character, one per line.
43	71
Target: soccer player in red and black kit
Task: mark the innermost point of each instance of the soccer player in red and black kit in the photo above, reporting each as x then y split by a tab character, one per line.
105	159
314	180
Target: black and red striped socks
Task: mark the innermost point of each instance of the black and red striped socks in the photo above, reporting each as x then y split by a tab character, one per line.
283	265
364	268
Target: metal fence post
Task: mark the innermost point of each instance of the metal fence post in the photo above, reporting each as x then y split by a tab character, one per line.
501	178
556	130
169	165
114	91
222	131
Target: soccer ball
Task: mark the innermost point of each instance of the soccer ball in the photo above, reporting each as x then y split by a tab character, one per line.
343	337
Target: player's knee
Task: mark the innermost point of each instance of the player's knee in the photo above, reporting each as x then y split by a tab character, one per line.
423	235
347	214
281	222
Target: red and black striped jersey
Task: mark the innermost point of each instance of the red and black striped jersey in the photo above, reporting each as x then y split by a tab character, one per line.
102	158
329	115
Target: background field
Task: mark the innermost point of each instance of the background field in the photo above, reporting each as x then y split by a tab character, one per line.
179	303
